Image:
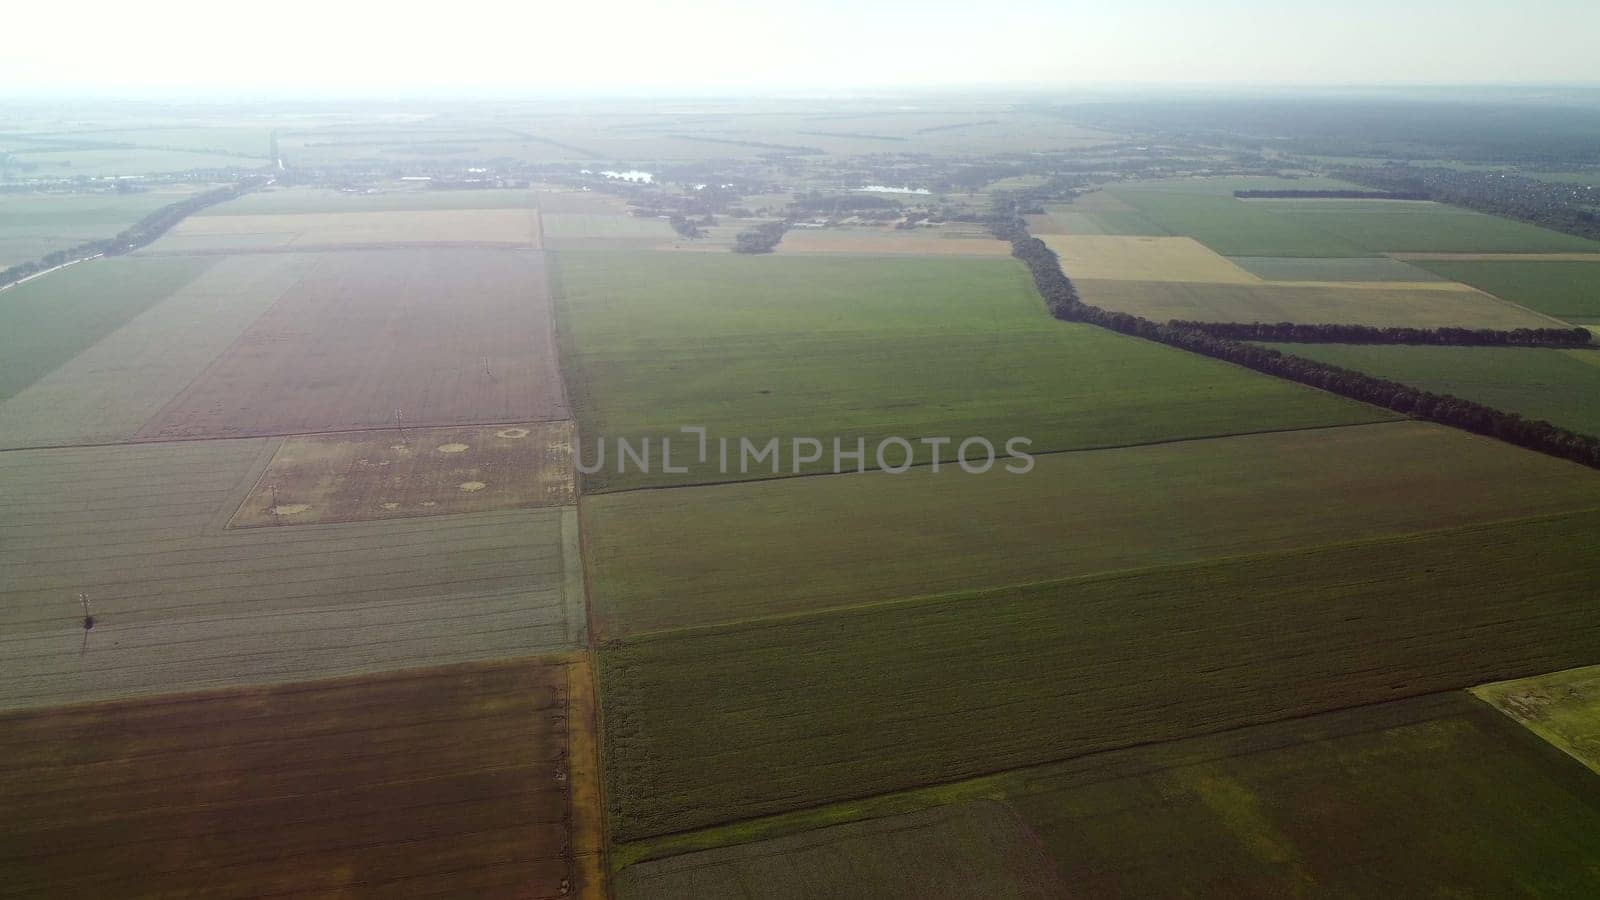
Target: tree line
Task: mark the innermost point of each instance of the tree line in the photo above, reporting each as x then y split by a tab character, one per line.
1296	333
1061	298
134	236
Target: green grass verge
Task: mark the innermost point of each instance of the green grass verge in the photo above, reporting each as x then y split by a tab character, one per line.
732	722
49	320
1558	386
1564	289
867	348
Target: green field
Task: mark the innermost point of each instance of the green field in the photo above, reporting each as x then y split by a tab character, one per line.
978	849
1558	386
1232	227
47	321
1386	305
711	725
111	163
1206	210
604	231
1344	803
866	348
1400	227
106	391
33	225
1565	289
695	556
1561	707
241	140
286	201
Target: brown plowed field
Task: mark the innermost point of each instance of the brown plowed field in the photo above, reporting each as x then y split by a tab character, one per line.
448	337
431	782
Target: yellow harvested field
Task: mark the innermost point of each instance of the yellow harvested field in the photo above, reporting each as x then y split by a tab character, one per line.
303	231
889	242
1099	257
365	476
1409	305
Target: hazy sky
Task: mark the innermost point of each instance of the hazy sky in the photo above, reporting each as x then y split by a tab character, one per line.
295	46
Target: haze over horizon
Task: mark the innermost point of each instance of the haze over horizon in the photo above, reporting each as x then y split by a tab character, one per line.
717	46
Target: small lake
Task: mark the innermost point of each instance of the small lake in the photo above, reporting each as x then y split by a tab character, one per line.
886	189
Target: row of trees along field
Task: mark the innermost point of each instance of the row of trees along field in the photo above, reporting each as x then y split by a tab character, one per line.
134	236
1061	297
1297	333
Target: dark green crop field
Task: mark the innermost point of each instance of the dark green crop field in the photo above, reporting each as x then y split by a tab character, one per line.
51	319
722	723
1566	289
704	555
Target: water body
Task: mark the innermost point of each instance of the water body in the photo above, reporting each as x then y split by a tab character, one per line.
886	189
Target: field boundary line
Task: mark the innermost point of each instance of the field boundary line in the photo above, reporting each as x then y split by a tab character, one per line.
945	462
990	785
153	442
947	596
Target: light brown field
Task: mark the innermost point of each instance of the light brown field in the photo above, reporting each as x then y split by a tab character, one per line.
1119	258
889	242
457	781
363	476
1405	305
447	337
314	231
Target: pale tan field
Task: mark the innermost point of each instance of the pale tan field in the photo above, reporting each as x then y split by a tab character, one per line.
364	476
1118	258
509	227
1406	305
889	242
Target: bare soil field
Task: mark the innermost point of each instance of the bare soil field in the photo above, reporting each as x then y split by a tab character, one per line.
1368	303
888	242
181	602
1115	257
446	337
455	780
365	476
317	231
